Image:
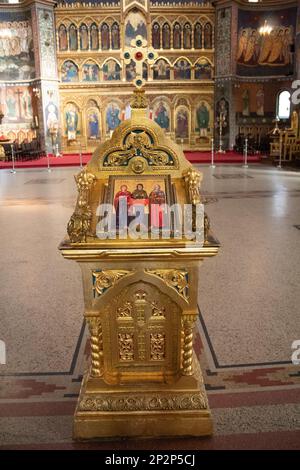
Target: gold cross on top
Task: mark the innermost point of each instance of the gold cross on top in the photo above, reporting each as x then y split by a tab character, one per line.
139	53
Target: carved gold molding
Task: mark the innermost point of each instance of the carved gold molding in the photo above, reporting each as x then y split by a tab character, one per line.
103	280
172	401
175	278
192	179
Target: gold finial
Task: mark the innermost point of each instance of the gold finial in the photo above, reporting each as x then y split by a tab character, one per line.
139	100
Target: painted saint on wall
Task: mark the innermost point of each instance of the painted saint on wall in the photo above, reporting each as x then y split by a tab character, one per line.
111	71
198	36
93	125
166	36
182	124
26	105
84	37
202	115
156	36
130	71
112	117
135	25
246	102
51	116
260	102
182	70
62	38
90	72
177	36
208	36
161	116
11	105
94	37
115	36
69	72
161	70
71	120
187	36
73	41
17	104
105	39
203	70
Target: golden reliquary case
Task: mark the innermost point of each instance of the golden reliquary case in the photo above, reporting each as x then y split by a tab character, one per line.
140	294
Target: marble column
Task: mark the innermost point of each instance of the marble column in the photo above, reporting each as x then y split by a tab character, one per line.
43	26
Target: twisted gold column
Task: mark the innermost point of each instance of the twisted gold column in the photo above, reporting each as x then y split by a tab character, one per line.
96	346
187	351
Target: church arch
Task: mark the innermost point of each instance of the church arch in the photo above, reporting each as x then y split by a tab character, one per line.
182	69
90	71
111	70
161	69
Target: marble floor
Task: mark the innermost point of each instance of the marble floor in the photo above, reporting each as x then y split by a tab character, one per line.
248	301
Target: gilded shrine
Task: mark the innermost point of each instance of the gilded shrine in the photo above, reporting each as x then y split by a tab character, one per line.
140	293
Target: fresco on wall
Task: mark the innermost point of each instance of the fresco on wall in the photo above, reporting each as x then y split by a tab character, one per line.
71	121
202	119
203	70
111	71
94	37
135	25
166	36
269	54
182	123
84	37
130	71
197	36
93	130
161	113
90	72
62	38
51	115
69	72
260	102
105	38
246	102
16	49
16	102
182	70
112	117
161	70
115	36
73	38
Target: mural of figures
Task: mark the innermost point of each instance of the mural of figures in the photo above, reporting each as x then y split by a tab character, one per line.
26	105
161	70
269	54
71	121
93	131
166	36
115	36
156	36
260	102
105	40
208	36
111	70
198	36
187	36
182	70
12	112
90	72
182	123
94	37
84	37
51	116
203	70
69	72
135	25
73	41
112	117
202	119
16	49
130	71
62	38
177	36
246	102
162	115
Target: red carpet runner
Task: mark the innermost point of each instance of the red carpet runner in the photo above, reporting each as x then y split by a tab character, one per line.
74	160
